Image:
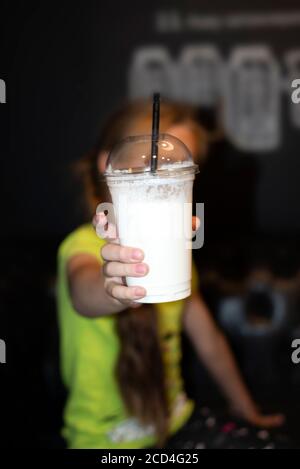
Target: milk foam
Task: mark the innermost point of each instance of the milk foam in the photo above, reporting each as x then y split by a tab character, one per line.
162	167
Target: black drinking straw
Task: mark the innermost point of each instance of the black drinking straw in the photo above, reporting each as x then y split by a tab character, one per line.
155	132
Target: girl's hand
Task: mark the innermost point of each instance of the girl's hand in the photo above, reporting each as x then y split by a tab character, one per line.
120	262
253	416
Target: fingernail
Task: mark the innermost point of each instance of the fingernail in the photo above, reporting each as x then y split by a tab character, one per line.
140	268
139	291
137	254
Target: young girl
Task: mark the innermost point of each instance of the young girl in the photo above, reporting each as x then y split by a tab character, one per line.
121	363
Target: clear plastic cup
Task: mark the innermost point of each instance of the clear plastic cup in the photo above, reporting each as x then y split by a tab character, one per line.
153	211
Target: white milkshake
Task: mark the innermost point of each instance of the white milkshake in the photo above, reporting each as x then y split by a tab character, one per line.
154	213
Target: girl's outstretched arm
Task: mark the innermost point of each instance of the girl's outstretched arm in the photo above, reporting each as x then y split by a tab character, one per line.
214	351
96	289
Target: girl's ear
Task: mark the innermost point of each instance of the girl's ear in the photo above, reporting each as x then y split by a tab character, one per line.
101	161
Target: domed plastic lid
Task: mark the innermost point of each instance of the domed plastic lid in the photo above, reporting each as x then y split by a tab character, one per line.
132	156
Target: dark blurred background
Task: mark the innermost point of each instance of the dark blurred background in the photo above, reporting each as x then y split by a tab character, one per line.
66	66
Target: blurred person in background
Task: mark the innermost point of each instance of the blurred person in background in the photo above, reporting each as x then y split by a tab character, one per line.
121	360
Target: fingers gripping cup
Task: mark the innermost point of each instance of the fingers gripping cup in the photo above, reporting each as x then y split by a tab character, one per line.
153	211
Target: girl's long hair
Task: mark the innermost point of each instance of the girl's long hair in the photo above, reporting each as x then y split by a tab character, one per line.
139	368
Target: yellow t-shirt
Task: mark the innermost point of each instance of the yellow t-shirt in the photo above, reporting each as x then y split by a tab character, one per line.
95	415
